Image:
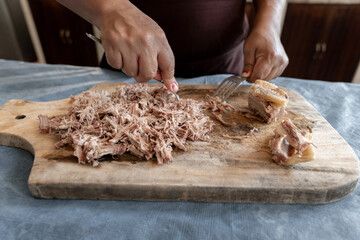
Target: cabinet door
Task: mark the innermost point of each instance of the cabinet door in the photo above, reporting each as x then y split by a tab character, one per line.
62	34
322	41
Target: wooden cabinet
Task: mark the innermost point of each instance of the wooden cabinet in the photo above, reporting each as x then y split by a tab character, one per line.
62	34
322	41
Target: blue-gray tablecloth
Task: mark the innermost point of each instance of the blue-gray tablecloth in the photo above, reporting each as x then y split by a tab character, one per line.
23	217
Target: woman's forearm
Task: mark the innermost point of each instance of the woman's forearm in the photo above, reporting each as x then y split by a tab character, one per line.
269	15
93	10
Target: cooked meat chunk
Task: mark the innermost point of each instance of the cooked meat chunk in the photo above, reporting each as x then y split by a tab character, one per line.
268	101
291	145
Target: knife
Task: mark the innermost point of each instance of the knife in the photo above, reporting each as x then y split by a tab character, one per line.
98	40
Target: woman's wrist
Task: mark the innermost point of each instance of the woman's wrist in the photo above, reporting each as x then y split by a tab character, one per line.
110	6
94	11
268	16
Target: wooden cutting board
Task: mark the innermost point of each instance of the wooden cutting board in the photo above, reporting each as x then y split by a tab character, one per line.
222	170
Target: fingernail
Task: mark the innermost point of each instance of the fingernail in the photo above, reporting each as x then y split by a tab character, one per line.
174	87
245	73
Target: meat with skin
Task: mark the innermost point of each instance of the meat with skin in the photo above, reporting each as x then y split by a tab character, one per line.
290	144
268	101
145	121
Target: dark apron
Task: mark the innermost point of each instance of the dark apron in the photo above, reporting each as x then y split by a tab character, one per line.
206	36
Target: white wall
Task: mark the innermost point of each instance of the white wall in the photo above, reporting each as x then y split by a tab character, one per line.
33	32
15	43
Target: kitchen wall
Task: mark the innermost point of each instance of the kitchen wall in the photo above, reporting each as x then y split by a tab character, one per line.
32	30
15	41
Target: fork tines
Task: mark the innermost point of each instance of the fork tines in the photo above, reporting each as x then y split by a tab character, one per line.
228	86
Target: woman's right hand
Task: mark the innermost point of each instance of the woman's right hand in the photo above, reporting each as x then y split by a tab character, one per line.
136	44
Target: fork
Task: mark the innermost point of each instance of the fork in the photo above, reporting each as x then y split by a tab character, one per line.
98	40
92	37
228	86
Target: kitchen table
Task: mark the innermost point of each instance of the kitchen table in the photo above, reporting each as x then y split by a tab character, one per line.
24	217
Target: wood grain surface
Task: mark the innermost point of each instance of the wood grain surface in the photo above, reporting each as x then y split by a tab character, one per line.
222	170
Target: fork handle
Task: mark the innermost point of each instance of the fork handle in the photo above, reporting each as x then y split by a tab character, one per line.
92	37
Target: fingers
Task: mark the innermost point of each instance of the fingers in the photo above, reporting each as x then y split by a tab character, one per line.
249	59
130	64
265	57
166	64
143	61
136	44
161	69
283	64
147	68
158	76
247	70
261	70
267	68
115	59
147	50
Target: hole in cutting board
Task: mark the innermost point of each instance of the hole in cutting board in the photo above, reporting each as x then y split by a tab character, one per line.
20	117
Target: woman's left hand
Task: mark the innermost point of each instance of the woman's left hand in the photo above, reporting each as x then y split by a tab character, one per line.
265	57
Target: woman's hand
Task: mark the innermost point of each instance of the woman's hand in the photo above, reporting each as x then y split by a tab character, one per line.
135	43
265	57
132	41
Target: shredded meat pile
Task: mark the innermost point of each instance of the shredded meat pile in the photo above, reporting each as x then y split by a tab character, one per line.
145	121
